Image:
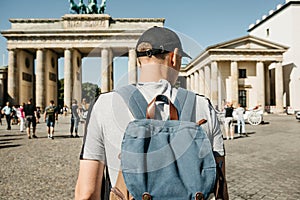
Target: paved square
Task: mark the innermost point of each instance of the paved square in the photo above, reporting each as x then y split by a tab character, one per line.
264	165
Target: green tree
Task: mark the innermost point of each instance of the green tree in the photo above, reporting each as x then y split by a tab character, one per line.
90	91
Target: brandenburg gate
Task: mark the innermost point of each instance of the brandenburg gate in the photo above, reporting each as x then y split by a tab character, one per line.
35	45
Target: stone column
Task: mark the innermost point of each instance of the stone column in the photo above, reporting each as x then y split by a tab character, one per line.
279	87
68	73
214	83
107	70
207	91
202	82
76	75
220	106
192	81
260	77
111	69
2	90
40	79
188	83
132	67
267	86
234	83
197	81
12	76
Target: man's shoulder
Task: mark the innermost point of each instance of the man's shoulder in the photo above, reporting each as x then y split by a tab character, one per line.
105	99
203	100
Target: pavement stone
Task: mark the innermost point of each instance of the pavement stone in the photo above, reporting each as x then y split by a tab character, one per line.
264	165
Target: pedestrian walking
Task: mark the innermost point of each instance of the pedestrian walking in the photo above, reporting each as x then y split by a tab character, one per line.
50	115
241	129
22	117
65	110
159	53
38	114
30	118
84	110
8	112
229	121
74	119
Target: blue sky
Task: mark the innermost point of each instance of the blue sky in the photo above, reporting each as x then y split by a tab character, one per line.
205	22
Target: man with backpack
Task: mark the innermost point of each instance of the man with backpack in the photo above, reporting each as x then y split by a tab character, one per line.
50	115
30	118
172	145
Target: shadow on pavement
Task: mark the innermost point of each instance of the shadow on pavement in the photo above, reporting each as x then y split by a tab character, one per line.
9	146
12	135
9	139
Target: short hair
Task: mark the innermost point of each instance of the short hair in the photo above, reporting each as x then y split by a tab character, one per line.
52	102
144	46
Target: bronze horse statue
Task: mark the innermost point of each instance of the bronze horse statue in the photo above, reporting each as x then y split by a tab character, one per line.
102	7
91	8
73	7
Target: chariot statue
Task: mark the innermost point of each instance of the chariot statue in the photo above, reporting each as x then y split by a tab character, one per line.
91	8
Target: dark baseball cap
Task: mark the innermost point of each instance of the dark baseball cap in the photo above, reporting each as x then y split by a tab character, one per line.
162	40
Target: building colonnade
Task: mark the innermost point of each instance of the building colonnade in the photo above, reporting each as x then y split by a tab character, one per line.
209	80
39	79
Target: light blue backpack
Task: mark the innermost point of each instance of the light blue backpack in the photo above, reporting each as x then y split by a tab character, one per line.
165	160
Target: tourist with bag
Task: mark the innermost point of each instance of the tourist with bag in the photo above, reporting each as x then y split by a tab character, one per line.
50	116
152	140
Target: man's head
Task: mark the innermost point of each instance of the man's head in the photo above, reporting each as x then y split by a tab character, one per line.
157	41
159	52
51	102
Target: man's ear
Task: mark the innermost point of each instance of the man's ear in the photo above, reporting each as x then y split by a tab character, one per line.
175	59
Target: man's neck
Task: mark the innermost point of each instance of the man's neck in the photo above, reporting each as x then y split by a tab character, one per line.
156	72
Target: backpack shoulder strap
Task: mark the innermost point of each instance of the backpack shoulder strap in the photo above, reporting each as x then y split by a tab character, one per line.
134	99
185	103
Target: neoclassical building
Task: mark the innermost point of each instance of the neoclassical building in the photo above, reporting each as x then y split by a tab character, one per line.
246	70
260	68
35	45
282	25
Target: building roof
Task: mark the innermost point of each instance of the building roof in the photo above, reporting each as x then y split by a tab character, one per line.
246	45
272	13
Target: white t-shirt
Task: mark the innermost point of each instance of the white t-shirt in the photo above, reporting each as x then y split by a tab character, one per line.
110	117
240	112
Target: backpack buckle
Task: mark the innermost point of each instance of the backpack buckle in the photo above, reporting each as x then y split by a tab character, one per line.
146	196
199	196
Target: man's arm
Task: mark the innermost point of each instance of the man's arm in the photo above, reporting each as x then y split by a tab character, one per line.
221	186
89	180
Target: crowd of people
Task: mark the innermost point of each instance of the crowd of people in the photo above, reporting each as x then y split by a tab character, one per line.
28	115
